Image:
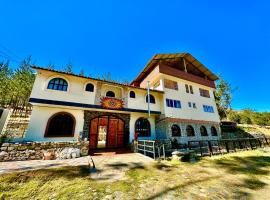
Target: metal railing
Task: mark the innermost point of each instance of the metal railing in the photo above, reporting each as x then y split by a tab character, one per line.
213	147
150	147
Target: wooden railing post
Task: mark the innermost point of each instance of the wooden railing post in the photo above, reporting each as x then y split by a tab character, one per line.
154	150
227	147
210	147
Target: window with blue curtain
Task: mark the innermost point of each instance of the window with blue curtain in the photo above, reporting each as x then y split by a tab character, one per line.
207	108
173	103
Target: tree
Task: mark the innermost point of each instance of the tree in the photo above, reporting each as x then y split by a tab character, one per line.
22	82
234	116
81	73
5	80
50	66
68	68
223	97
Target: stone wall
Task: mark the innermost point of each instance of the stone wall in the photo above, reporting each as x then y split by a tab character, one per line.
36	150
163	130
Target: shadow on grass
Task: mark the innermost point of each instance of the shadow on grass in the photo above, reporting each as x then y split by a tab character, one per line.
246	165
69	172
180	186
121	165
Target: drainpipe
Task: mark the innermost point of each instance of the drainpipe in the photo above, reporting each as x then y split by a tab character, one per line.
148	97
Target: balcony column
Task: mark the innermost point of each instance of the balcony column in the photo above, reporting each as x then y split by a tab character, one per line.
125	96
98	93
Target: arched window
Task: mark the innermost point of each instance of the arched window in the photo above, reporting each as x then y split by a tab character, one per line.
60	125
203	131
190	131
176	131
132	94
58	84
142	127
152	99
89	87
110	94
213	131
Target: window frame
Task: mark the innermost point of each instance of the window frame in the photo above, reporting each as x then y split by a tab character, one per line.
59	78
203	131
216	132
46	134
87	85
148	131
112	92
152	97
132	97
178	129
193	130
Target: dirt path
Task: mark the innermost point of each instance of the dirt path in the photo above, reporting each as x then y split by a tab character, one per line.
107	167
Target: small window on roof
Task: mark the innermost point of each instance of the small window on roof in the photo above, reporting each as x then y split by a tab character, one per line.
89	87
132	94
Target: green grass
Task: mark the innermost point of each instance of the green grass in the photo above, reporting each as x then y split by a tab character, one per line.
242	175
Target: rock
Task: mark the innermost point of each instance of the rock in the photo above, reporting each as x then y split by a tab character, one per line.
3	148
176	155
3	153
10	148
22	148
5	144
108	190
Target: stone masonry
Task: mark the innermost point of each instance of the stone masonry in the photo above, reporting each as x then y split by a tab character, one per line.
36	150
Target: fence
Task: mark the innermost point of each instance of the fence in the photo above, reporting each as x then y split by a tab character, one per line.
204	147
213	147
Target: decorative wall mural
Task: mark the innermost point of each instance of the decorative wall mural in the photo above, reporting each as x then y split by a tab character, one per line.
111	103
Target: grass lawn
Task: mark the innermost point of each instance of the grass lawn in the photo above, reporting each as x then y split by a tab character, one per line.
242	175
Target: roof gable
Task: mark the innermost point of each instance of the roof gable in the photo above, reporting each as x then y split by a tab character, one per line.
178	61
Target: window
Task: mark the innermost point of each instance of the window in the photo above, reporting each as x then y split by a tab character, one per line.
177	103
190	131
191	89
170	84
152	99
89	87
132	94
189	104
142	127
58	84
60	125
187	89
194	105
213	131
169	102
176	131
110	94
173	103
204	93
203	131
209	109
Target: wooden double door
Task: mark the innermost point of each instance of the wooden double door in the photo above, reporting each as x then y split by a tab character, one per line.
106	132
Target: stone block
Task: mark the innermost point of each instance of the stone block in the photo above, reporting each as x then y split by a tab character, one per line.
3	148
5	144
10	148
22	148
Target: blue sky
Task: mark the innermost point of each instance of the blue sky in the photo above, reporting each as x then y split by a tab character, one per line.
229	37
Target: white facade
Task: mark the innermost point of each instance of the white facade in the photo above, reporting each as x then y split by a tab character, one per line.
84	106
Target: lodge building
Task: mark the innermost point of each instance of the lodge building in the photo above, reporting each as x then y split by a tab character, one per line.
68	107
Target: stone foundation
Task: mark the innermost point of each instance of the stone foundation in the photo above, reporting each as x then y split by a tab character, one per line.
163	130
35	150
